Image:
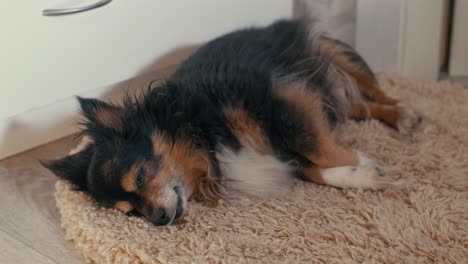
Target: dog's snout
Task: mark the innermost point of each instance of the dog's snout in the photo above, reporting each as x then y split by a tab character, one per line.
160	217
165	206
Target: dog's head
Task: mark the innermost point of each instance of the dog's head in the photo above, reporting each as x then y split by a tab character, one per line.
133	165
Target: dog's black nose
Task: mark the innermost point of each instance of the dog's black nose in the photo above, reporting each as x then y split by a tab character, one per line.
160	217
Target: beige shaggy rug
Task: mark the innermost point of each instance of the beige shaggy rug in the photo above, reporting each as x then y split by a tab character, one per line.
423	223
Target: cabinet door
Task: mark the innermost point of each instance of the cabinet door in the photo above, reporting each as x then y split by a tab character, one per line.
44	61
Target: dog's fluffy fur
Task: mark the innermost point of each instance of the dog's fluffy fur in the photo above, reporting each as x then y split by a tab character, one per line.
245	114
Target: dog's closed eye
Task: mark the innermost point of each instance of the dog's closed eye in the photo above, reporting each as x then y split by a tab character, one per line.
140	178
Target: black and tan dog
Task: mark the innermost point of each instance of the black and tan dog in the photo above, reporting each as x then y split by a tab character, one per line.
246	113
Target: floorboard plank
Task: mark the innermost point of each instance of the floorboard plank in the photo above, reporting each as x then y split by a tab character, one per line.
29	216
13	251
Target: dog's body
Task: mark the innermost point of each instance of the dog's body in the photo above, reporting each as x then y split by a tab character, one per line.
245	114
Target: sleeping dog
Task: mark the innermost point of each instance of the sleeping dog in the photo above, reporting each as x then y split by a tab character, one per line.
247	113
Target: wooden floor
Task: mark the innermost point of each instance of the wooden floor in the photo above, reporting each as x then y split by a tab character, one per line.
29	221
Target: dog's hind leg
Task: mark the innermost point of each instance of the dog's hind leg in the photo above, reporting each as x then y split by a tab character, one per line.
348	60
361	177
378	105
344	167
402	118
330	162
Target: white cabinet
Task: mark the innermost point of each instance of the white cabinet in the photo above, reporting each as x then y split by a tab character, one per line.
45	61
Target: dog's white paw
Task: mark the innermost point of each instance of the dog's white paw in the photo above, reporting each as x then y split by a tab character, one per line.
410	120
374	177
361	177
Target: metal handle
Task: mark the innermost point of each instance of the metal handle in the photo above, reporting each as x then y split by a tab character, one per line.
73	10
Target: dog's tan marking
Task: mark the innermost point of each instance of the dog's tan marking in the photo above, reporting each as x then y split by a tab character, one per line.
128	180
385	113
313	174
405	120
181	160
123	206
247	130
309	106
369	86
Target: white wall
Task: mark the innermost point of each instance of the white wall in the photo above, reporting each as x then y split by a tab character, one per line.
378	32
402	36
46	60
421	47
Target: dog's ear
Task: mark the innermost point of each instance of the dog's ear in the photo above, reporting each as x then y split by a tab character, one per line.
72	168
101	114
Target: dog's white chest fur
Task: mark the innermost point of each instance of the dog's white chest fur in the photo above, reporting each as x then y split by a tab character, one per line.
254	174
